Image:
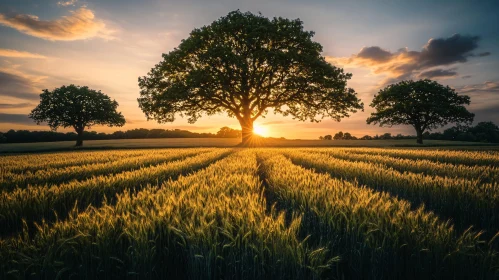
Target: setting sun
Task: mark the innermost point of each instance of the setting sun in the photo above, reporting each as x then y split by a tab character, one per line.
260	130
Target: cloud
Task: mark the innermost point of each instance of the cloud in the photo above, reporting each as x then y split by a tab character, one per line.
134	121
17	86
15	106
80	24
487	87
445	51
487	114
67	3
438	73
406	64
466	77
484	54
273	123
19	54
15	118
376	54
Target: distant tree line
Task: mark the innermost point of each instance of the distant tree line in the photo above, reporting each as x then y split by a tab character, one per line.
26	136
483	132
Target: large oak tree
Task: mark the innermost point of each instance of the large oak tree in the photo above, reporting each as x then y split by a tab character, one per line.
76	107
243	65
424	104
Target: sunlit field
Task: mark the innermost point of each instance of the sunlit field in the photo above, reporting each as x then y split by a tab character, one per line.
255	213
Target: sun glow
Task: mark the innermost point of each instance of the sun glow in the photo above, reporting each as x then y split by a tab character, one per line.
260	130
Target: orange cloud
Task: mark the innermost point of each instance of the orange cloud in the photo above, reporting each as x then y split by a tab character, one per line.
80	24
19	54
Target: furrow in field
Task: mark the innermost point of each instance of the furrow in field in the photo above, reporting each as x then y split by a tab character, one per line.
466	201
36	203
32	163
378	236
54	176
484	174
211	224
469	158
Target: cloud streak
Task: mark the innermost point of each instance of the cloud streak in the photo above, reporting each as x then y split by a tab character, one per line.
19	54
406	64
438	73
15	106
487	87
67	3
17	86
16	119
80	24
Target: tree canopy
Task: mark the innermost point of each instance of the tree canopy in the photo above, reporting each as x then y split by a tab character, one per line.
424	104
76	107
243	65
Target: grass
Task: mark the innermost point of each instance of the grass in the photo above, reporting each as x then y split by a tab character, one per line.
229	142
256	213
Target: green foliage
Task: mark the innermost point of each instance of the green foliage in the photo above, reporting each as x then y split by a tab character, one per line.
243	65
76	107
424	104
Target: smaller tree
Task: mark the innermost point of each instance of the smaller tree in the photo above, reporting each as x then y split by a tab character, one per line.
321	138
386	136
424	104
486	132
328	137
338	136
348	136
227	132
76	107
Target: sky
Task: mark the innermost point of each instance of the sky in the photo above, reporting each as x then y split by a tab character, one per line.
108	44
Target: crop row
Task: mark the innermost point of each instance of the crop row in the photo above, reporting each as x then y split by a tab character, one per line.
427	167
34	162
38	203
470	158
467	201
54	176
212	224
376	235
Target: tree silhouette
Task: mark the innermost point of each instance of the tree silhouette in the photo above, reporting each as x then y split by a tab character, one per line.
227	132
76	107
338	136
245	64
424	104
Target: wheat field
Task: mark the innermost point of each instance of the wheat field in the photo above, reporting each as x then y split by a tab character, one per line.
256	213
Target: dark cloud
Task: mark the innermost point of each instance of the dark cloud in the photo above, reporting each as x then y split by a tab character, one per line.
466	77
15	119
438	73
13	85
484	54
406	64
375	53
445	51
15	106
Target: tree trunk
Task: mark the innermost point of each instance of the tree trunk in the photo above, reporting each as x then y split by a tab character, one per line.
419	135
247	131
79	138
